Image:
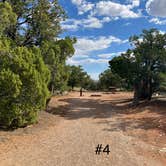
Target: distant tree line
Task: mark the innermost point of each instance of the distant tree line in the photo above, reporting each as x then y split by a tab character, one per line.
79	78
142	69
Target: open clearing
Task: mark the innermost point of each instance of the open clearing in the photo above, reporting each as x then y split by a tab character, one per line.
74	126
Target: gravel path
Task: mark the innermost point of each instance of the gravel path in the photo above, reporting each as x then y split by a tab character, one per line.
73	139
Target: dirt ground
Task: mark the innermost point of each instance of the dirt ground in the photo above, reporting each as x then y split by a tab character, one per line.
67	135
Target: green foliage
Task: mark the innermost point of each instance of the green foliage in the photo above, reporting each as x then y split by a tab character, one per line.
10	86
78	77
93	85
37	21
23	86
142	65
162	80
31	58
61	77
66	47
7	16
108	79
86	81
126	67
55	55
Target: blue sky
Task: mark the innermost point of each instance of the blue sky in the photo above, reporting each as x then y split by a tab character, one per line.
102	28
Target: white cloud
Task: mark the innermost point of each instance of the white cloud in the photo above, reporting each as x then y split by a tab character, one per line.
134	3
106	19
70	24
93	22
110	55
78	57
156	8
73	61
90	22
83	6
109	8
85	46
162	32
127	24
77	2
157	21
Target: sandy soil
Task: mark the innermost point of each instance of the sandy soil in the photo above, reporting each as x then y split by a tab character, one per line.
69	133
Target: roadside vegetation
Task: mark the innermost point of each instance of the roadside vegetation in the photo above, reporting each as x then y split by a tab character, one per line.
143	67
33	62
32	58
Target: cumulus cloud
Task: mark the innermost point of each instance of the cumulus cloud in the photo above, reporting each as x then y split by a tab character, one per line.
83	6
106	10
90	62
109	8
87	46
157	21
73	61
93	22
84	46
156	8
70	24
134	3
101	60
90	22
110	55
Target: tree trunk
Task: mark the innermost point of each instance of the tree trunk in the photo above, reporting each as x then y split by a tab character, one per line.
150	92
52	89
135	100
142	91
136	94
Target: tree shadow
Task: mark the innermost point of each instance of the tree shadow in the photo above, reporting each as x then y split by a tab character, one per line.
2	128
155	105
147	116
81	108
105	109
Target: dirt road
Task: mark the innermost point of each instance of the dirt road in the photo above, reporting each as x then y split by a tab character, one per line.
69	134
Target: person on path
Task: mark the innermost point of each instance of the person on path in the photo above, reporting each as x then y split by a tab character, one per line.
81	91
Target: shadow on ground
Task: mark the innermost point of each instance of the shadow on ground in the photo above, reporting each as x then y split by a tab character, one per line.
128	117
147	116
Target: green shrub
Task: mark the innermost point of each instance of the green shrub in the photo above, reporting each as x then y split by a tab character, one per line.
23	85
7	16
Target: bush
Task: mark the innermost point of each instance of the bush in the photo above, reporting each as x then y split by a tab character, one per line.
23	85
